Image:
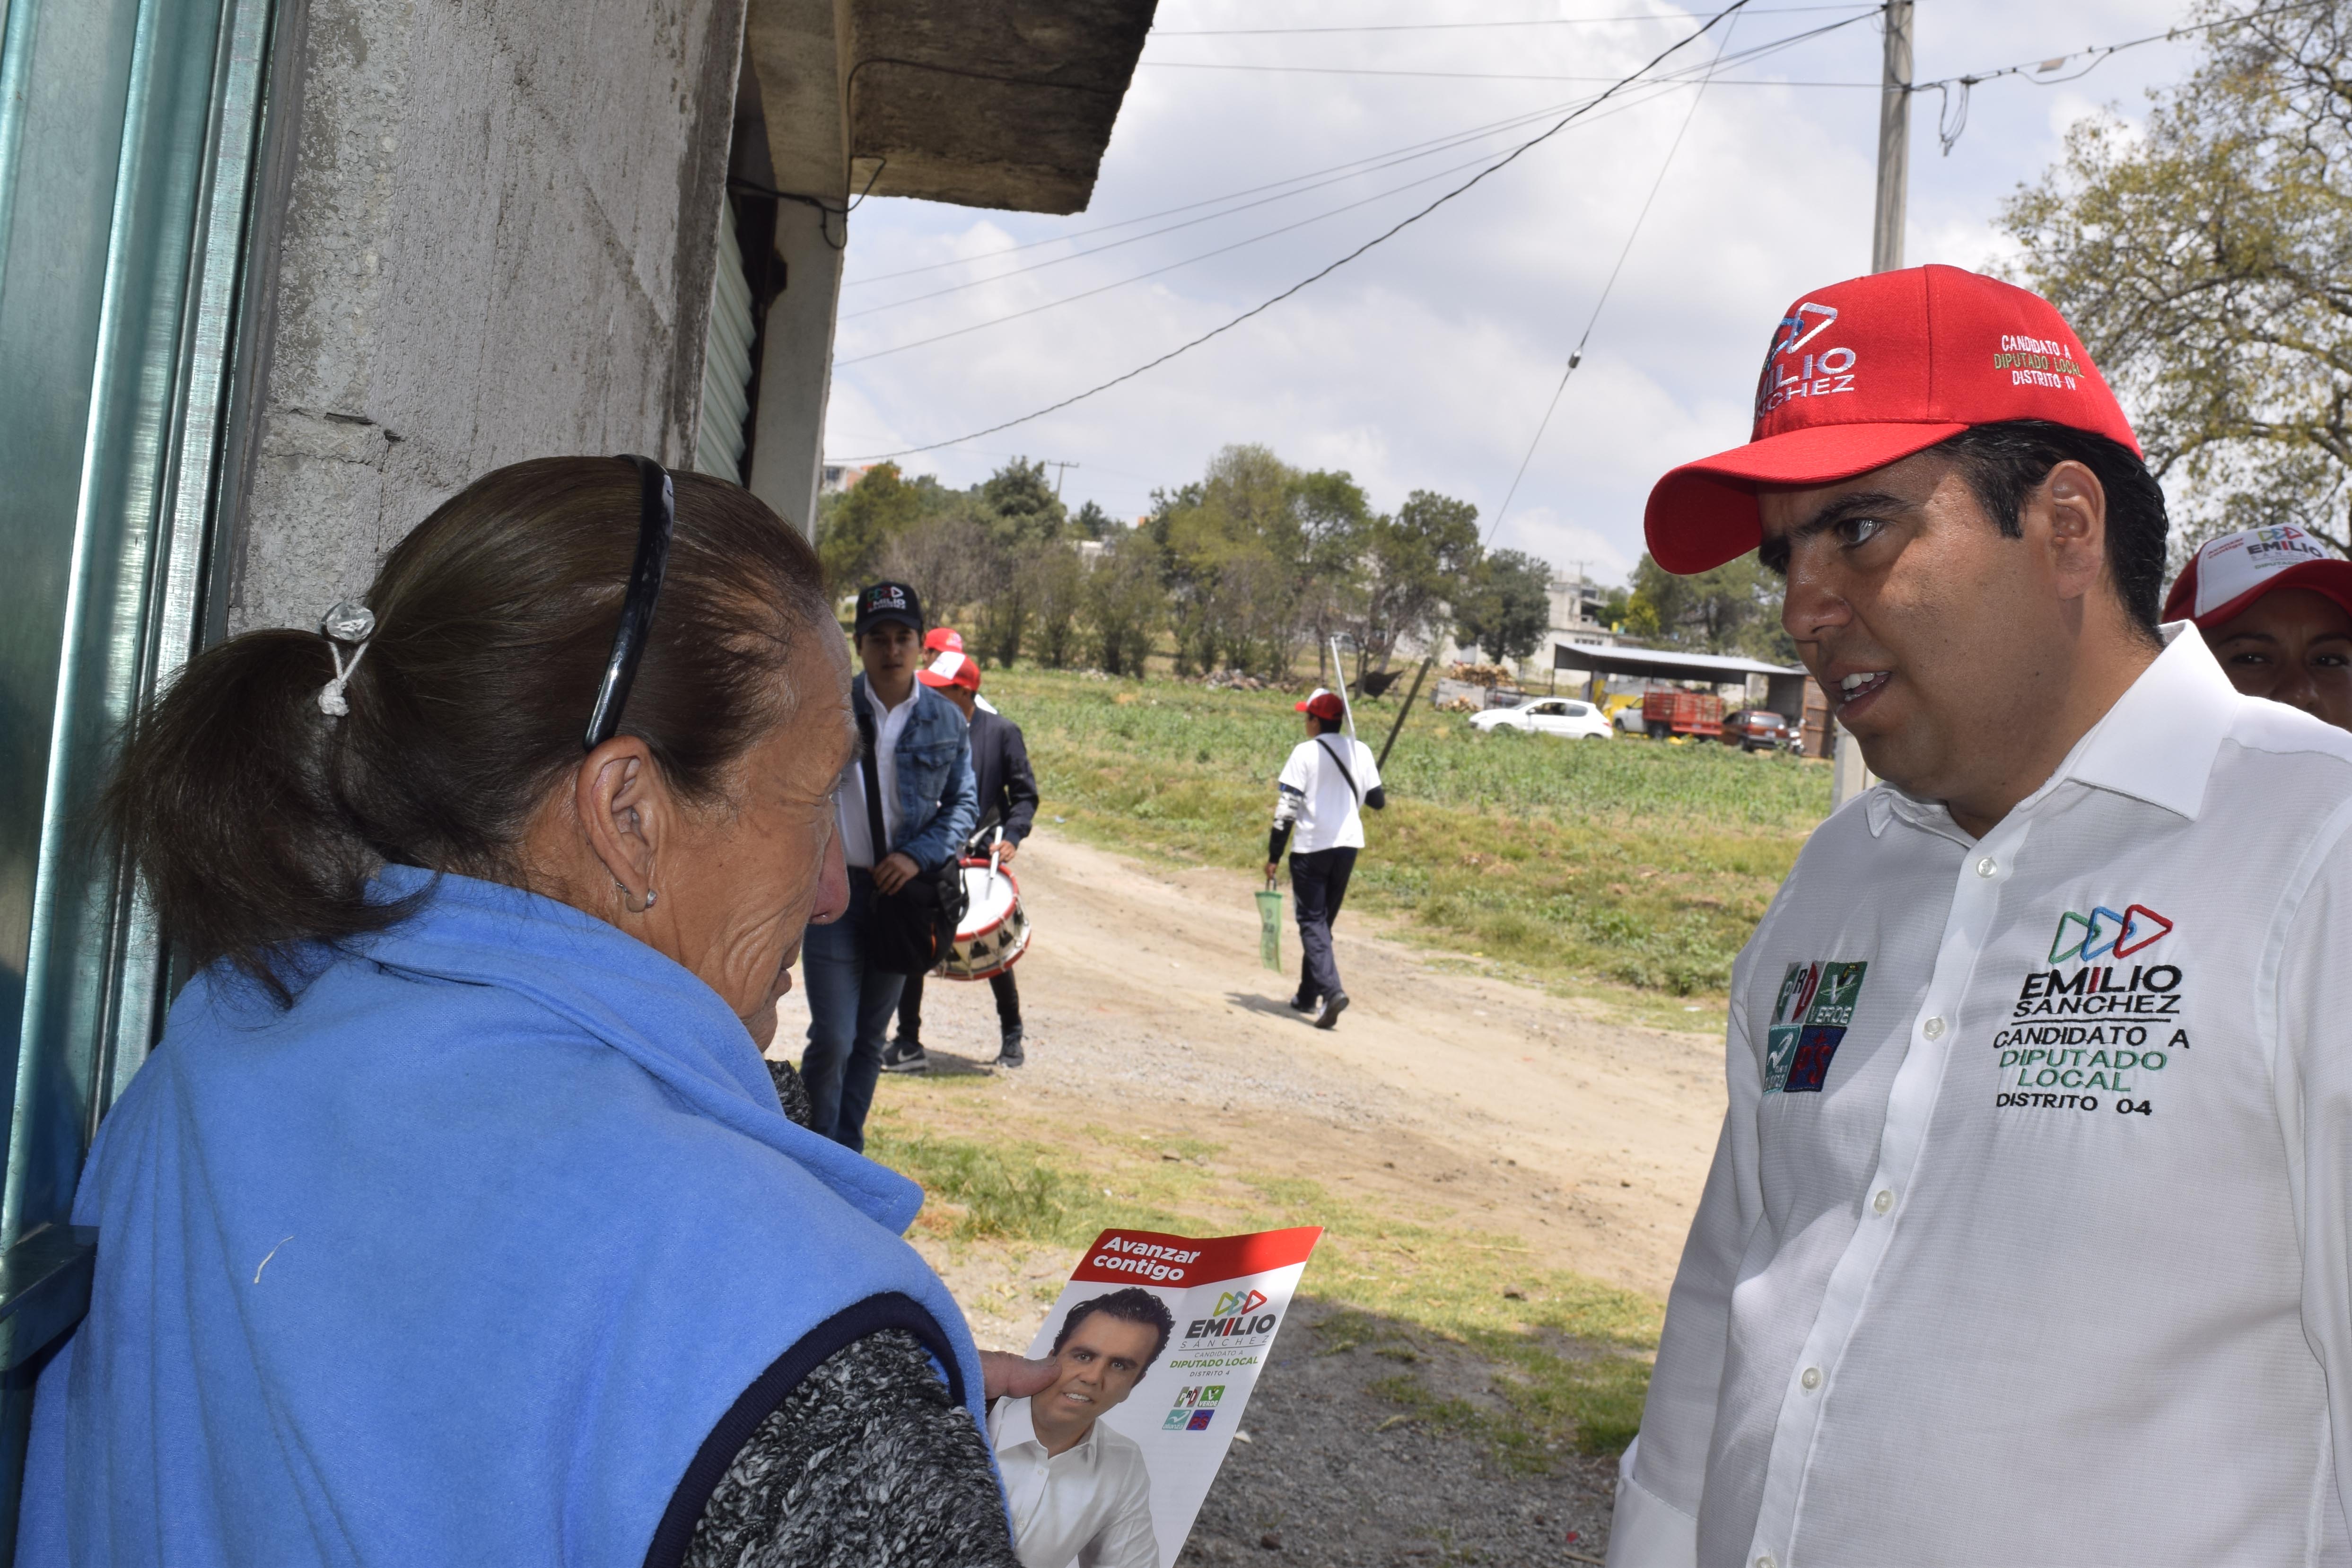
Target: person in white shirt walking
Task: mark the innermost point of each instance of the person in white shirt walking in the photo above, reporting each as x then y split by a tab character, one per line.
1078	1492
1319	798
2028	1238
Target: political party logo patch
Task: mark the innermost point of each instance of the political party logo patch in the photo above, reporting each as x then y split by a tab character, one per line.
1810	1018
1200	1421
1239	1301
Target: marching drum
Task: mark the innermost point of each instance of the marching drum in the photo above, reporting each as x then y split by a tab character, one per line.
994	932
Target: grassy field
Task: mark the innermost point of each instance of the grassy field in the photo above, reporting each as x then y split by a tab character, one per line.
1570	1354
1622	866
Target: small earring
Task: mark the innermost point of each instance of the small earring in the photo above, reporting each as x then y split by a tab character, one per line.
622	889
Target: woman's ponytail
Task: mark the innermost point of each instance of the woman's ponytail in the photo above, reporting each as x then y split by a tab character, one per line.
220	800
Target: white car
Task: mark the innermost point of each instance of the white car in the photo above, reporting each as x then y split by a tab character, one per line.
1563	716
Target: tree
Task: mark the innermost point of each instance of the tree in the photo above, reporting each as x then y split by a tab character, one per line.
947	559
857	528
1125	603
1023	504
1056	585
2203	264
1417	562
1091	522
1508	608
1731	608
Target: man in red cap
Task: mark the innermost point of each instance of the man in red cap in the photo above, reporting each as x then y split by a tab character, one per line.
1321	794
2029	1235
2276	609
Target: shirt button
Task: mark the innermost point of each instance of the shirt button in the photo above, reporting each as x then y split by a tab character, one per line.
1933	1028
1765	1562
1987	866
1884	1201
1812	1378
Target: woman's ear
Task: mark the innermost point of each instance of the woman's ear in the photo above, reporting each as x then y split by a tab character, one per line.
627	813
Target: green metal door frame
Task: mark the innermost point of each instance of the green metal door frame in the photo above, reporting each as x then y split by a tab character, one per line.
132	142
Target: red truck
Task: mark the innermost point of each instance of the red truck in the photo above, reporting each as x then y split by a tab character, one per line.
1665	713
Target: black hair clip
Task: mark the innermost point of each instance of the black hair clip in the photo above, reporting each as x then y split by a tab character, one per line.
657	518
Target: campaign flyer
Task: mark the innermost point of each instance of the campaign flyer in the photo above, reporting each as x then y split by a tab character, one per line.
1084	1461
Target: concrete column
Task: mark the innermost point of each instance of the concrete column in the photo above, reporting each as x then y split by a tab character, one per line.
796	365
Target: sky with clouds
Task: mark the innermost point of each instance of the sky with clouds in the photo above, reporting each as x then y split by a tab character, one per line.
1426	364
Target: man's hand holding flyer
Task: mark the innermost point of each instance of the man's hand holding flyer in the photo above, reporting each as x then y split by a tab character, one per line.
1156	1342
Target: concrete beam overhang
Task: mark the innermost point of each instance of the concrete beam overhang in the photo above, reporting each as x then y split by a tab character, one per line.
1008	104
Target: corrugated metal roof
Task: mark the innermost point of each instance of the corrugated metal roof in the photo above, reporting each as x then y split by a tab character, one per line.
1669	664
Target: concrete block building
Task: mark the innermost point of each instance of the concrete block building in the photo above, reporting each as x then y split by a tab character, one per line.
278	275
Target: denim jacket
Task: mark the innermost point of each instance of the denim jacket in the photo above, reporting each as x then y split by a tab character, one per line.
935	782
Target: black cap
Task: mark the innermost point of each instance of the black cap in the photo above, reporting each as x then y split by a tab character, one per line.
888	602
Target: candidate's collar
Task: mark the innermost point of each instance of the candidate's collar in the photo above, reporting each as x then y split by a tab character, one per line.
1016	1428
2156	743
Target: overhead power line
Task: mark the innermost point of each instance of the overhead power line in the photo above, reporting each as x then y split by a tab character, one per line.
1453	27
1659	85
1505	161
1575	355
1467	75
1351	169
1951	122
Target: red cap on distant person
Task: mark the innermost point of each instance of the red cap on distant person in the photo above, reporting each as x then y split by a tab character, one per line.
1322	704
943	639
951	668
1868	371
2229	574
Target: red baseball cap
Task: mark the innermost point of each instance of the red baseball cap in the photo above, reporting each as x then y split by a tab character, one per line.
1322	704
2229	574
942	640
951	668
1866	372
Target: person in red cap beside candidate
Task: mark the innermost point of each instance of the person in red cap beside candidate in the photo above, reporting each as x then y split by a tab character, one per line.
1320	795
2276	609
2026	1237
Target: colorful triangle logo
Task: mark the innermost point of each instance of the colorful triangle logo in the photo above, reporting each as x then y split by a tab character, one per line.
2138	920
2061	950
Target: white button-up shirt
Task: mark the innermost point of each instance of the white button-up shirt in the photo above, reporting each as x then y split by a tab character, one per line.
2029	1237
1089	1505
849	800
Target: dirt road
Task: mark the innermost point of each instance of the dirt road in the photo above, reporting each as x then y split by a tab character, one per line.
1523	1112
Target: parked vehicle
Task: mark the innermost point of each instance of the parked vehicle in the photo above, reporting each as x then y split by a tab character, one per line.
1562	716
1758	729
1665	713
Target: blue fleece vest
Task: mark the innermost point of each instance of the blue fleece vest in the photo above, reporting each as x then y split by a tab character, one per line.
459	1260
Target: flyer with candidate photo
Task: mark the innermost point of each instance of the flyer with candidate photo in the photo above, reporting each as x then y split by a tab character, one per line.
1156	1343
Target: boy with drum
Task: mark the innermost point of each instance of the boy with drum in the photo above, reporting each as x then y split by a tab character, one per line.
1008	799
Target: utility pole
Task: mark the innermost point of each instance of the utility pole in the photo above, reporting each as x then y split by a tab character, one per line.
1893	141
1849	774
1061	467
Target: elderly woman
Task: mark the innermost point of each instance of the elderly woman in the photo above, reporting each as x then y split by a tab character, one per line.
458	1219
